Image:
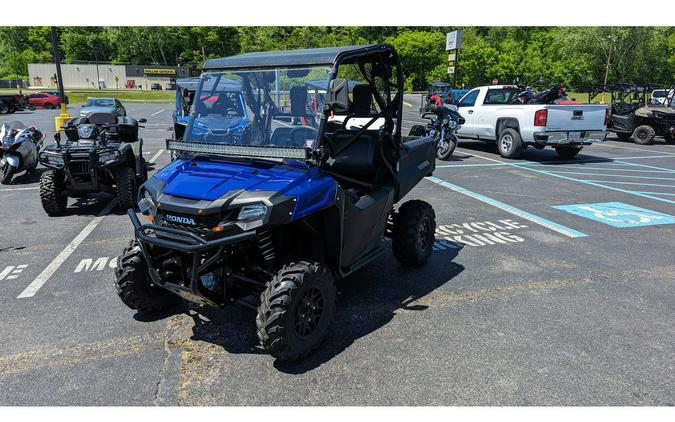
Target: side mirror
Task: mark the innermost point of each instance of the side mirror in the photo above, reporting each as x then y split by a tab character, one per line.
338	96
143	120
57	139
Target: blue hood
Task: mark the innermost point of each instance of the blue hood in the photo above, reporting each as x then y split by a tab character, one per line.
211	180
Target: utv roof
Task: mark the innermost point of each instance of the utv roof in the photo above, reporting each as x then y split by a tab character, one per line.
292	58
188	83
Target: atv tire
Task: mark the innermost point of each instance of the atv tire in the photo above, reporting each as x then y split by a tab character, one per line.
644	135
623	136
296	310
510	144
134	286
413	233
669	138
125	181
6	173
52	193
567	153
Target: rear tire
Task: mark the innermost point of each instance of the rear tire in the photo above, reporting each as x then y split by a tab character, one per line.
52	193
510	144
134	286
413	233
125	181
296	310
567	153
644	135
6	173
669	138
49	106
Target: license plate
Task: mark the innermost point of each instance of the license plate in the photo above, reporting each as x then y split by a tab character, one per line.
574	135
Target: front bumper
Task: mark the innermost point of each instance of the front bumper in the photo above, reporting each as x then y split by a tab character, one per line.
584	137
183	241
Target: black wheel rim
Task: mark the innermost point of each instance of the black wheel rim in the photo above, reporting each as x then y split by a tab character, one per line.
423	233
308	313
642	135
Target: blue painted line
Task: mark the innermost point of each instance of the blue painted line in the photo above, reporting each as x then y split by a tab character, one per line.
508	208
646	166
582	167
630	183
598	185
618	214
658	193
615	175
612	161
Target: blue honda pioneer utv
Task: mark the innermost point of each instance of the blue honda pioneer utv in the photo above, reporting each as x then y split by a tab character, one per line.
272	219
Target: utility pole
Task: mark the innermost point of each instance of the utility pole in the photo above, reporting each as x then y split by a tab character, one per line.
611	38
64	116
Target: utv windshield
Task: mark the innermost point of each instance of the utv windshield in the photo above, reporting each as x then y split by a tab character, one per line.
279	108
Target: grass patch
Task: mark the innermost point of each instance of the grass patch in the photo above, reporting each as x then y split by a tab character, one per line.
79	96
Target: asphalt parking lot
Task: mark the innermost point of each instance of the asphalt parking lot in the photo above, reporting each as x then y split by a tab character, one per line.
552	283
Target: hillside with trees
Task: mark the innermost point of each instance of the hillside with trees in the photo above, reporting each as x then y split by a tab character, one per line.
574	56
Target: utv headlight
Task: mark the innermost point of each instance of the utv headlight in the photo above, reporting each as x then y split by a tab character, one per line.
85	131
252	212
108	157
53	159
147	205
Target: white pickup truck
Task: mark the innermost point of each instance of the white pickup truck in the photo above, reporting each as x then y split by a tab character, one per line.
492	113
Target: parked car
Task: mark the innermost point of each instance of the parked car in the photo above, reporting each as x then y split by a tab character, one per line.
103	105
43	100
663	97
156	87
55	93
170	86
11	103
495	114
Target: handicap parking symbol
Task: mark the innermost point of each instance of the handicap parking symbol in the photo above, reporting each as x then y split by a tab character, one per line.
618	214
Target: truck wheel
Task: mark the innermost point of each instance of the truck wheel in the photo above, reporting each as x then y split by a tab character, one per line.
567	153
413	233
125	181
134	286
644	135
445	149
6	173
510	144
52	193
623	136
296	310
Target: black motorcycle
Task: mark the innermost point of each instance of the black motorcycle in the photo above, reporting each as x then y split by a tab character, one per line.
442	126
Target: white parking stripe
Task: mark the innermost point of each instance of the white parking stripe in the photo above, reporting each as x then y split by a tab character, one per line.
41	279
154	157
13	189
636	149
157	112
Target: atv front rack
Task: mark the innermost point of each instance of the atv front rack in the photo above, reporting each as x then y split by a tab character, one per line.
182	241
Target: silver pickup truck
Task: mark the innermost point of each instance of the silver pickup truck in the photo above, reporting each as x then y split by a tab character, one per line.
492	116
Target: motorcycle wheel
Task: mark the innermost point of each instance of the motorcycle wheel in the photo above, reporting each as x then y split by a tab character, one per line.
445	149
6	174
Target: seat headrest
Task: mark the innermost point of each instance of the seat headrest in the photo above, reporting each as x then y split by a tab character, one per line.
362	98
298	101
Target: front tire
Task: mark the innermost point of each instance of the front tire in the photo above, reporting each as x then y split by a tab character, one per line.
134	286
52	193
125	181
445	149
413	233
6	173
644	135
296	310
510	144
49	106
567	153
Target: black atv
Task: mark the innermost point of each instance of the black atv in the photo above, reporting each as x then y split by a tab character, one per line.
272	218
631	117
102	153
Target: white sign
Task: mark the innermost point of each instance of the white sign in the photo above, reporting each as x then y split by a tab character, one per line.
452	56
453	40
451	70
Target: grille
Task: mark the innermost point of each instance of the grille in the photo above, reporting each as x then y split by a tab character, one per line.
203	226
79	167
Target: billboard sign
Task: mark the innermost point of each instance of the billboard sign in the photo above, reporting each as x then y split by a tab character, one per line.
453	40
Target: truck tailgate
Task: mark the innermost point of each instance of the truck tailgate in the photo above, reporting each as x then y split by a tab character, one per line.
575	117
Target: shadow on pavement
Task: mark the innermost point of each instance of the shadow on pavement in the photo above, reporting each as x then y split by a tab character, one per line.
367	301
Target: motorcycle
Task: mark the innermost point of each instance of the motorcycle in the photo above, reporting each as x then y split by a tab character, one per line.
443	124
19	146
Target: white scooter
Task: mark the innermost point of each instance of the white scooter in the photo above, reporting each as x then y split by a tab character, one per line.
19	147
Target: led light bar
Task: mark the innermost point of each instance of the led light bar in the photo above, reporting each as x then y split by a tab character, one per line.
261	151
